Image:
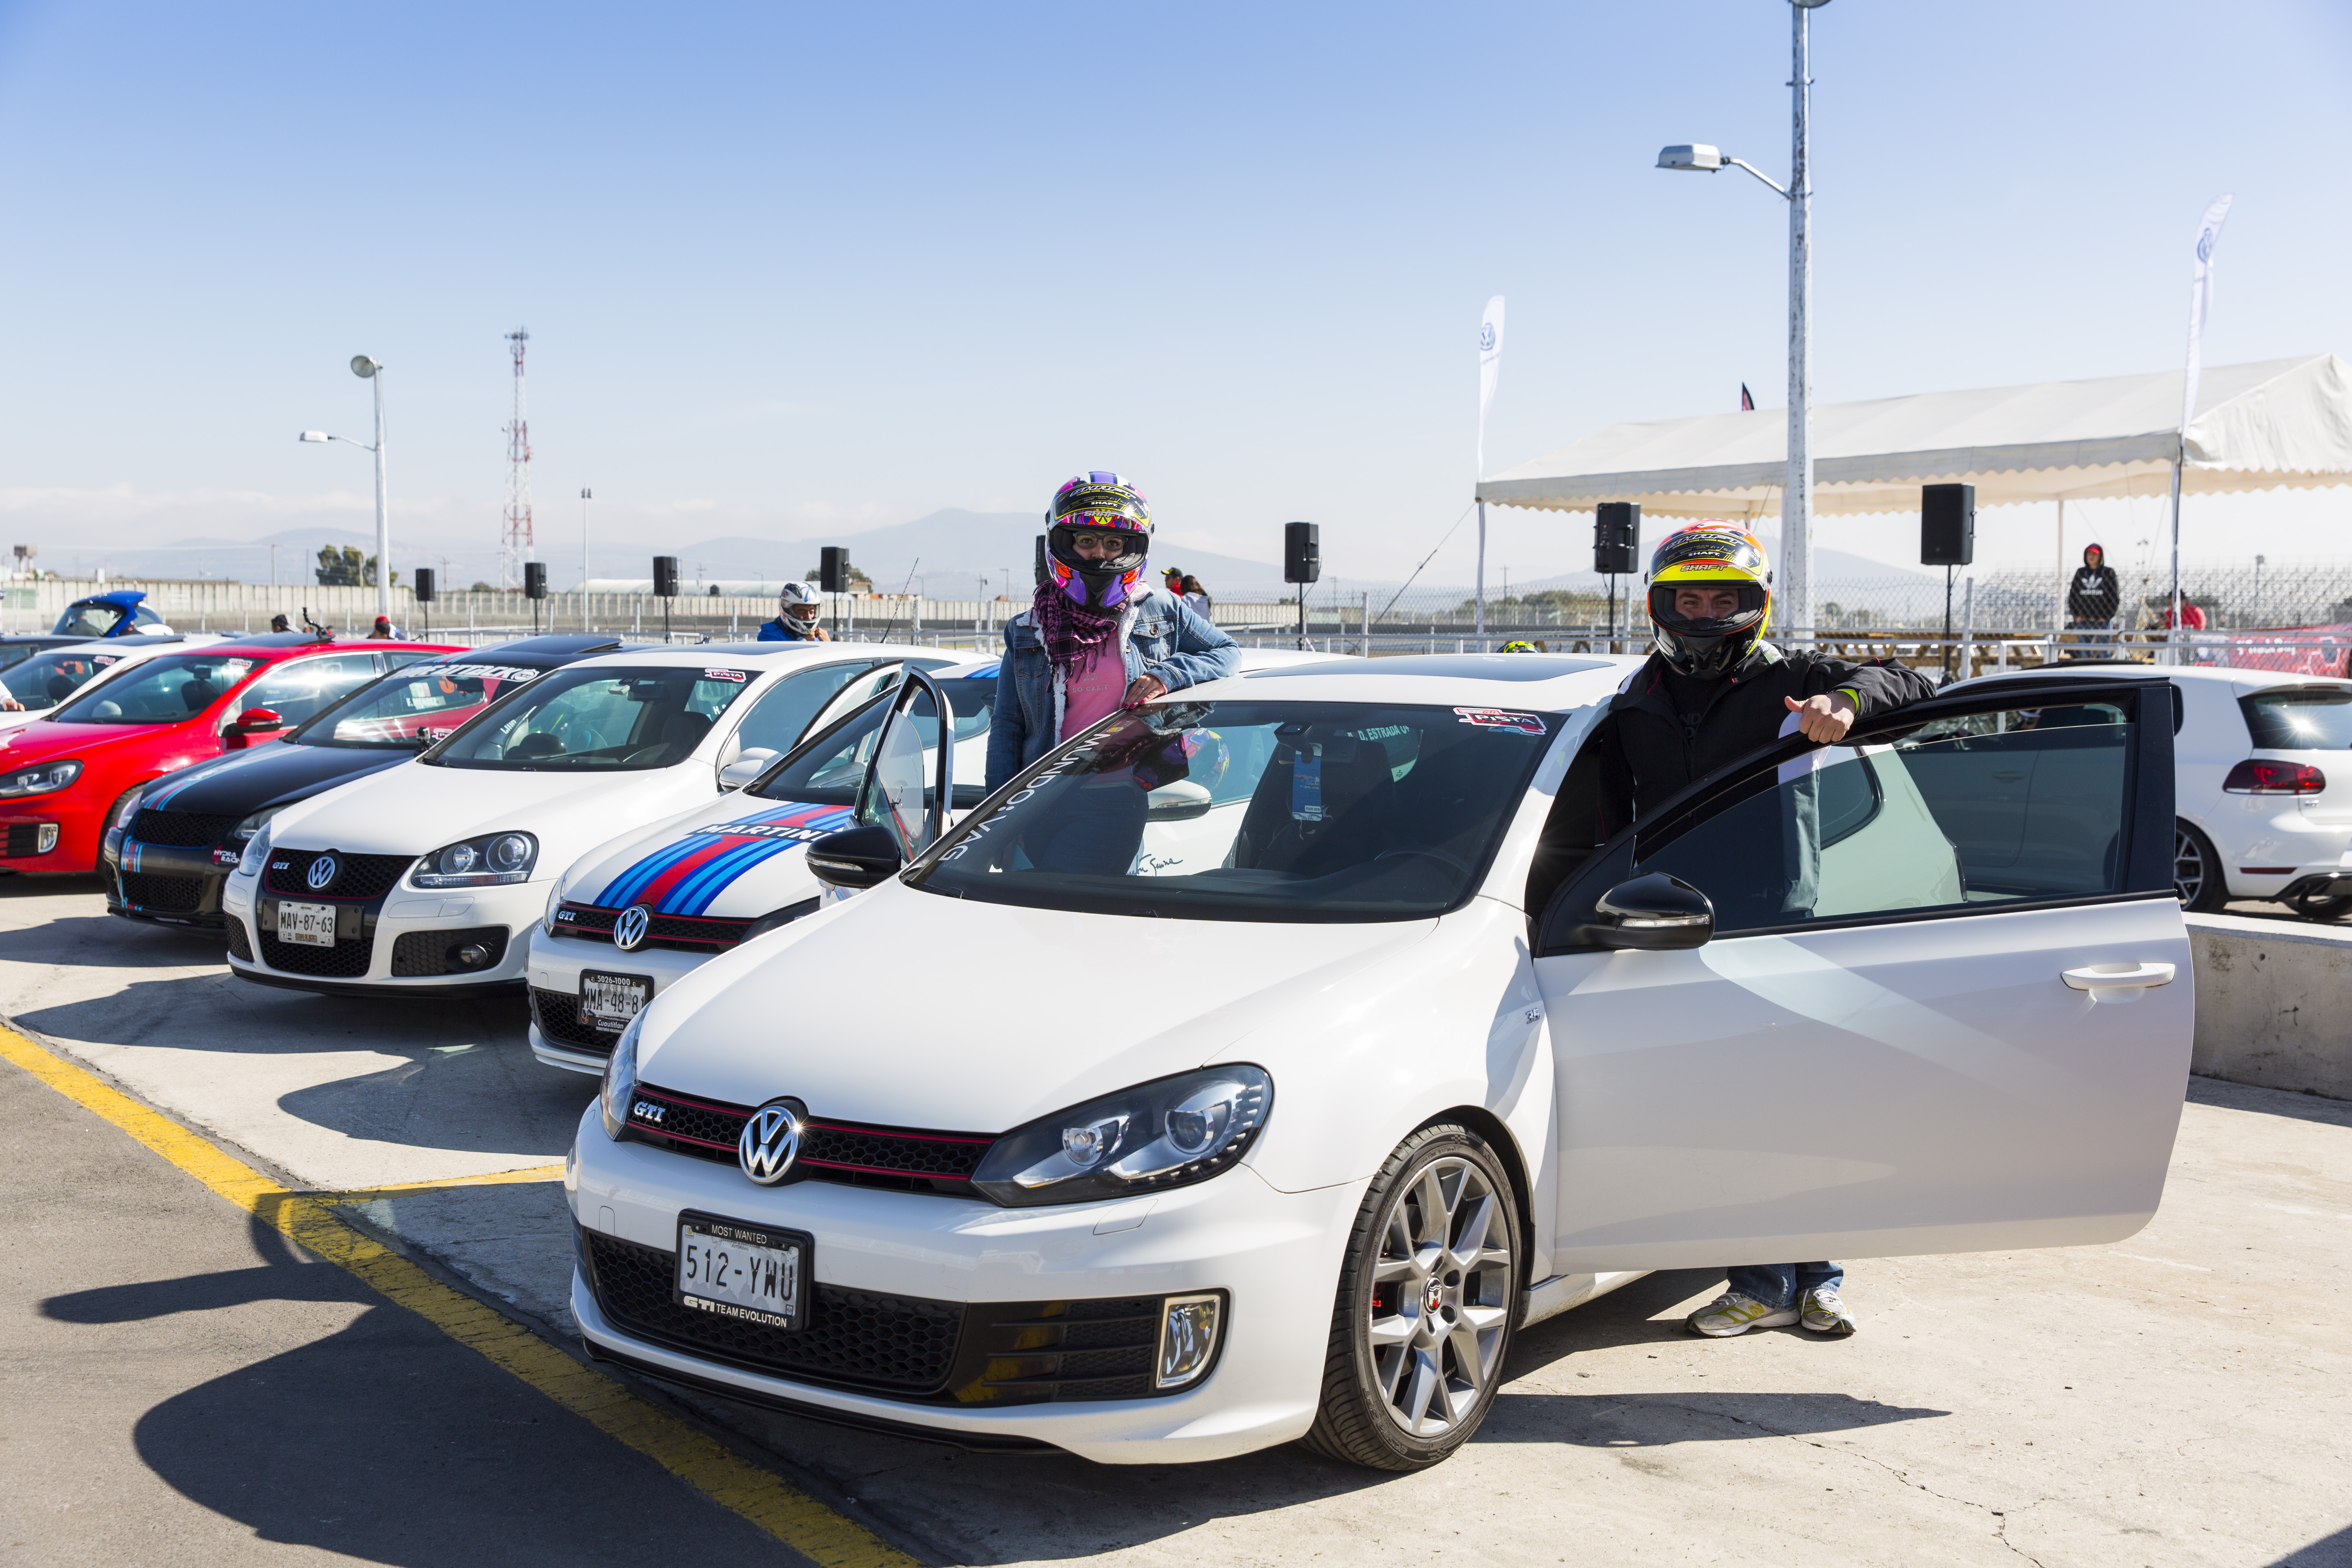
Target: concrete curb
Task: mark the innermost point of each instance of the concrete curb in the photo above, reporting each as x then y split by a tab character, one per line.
2272	1004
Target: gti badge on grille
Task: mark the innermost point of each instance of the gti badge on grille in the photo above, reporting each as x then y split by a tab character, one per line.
629	931
323	872
771	1143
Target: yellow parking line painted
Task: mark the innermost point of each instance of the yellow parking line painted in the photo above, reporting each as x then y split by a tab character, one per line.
410	1189
792	1516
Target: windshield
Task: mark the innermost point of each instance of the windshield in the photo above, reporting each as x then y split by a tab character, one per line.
599	718
825	771
412	707
168	690
2300	718
1256	811
95	619
48	679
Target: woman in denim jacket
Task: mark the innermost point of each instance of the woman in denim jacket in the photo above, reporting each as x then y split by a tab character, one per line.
1096	637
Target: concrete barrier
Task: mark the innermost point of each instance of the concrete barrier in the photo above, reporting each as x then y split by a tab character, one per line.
2273	1003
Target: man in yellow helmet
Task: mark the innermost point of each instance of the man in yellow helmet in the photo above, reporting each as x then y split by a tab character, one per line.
1713	691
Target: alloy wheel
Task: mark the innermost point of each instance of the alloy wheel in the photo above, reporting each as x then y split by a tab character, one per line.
1441	1304
2189	868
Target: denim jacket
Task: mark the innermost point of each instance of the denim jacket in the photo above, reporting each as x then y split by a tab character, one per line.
1163	636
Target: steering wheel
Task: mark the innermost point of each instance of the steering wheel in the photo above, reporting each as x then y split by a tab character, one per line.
1454	860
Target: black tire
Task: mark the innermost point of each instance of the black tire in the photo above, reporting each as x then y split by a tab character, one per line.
2197	872
1409	1402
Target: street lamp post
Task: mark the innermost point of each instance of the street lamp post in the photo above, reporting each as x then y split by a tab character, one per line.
586	496
1796	573
371	371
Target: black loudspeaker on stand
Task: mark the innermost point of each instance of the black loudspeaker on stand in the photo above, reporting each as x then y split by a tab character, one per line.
1948	538
1302	563
833	569
1041	560
666	587
424	596
1616	551
534	587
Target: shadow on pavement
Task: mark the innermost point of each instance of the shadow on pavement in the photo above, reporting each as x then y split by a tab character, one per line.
2333	1551
110	942
2270	1102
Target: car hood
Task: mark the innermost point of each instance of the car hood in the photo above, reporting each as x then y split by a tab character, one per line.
414	808
737	858
43	738
242	783
911	1009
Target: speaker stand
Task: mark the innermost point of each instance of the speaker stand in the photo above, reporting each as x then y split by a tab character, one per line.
1948	625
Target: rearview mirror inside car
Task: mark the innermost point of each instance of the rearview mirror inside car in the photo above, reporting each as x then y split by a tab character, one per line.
1652	913
855	858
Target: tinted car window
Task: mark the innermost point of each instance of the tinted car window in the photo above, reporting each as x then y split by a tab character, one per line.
417	708
2299	718
599	718
166	690
300	688
46	680
825	771
776	722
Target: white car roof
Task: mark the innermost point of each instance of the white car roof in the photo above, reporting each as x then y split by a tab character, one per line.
751	655
2184	672
1540	682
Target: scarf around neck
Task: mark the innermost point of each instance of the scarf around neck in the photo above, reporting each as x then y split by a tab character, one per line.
1069	631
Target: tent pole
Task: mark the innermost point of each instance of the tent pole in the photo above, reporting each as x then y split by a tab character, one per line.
1482	577
2058	605
2174	636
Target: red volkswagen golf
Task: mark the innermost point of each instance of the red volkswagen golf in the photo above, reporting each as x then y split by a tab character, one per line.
62	777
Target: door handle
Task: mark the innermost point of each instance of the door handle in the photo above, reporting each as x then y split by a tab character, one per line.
2118	976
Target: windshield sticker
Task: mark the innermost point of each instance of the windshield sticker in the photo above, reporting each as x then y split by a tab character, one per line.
513	673
103	659
1503	719
736	675
1306	785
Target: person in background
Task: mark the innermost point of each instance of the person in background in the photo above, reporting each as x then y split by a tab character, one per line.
1174	581
383	631
1197	596
797	611
1095	637
2191	616
278	623
2092	598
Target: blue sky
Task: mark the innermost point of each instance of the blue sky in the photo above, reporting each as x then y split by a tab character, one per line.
793	271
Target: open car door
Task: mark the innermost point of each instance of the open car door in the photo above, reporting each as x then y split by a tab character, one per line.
904	797
1927	991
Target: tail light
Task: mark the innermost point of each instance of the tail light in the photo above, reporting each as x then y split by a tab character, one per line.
2255	776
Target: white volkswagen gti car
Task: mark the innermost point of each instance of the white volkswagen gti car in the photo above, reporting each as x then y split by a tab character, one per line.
2263	781
427	878
1163	1135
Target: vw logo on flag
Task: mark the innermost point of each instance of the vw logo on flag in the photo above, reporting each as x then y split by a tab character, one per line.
1485	337
321	873
771	1143
629	931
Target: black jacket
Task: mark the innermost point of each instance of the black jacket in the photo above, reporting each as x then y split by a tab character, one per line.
2094	594
1650	744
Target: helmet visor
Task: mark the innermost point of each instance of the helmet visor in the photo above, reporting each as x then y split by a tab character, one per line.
1708	609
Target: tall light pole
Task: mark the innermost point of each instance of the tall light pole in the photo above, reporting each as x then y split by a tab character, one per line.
1795	588
372	372
586	496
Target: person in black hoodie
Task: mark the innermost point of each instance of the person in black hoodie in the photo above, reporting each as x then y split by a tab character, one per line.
1713	691
2092	597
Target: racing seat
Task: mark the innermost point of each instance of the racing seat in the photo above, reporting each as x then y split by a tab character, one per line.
1358	802
197	695
680	733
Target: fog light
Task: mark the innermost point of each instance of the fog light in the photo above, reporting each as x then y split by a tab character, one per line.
46	838
473	955
1188	1338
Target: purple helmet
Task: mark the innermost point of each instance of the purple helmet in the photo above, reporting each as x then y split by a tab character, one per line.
1098	503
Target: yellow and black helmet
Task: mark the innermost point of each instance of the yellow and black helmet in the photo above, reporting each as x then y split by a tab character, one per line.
1707	554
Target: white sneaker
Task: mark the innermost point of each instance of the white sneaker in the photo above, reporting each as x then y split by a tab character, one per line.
1733	1313
1825	1314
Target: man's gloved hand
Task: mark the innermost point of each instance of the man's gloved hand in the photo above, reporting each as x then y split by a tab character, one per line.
1825	718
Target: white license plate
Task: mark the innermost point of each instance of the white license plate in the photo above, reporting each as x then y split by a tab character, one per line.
307	925
741	1271
608	1002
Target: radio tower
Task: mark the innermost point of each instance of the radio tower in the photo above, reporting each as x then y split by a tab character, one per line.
514	536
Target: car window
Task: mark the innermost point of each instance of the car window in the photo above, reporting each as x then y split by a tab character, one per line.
46	680
783	711
12	655
826	770
300	688
402	657
2299	718
1990	809
650	715
166	690
416	708
1307	812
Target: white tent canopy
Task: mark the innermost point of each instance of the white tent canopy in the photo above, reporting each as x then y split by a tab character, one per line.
2258	426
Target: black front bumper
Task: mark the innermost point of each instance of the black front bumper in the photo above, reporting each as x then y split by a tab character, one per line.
165	884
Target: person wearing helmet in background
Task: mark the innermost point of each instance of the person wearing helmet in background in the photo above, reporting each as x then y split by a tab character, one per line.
1096	637
1712	691
1518	646
797	612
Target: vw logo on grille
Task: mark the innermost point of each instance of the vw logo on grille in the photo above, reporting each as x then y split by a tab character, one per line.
323	872
771	1143
629	931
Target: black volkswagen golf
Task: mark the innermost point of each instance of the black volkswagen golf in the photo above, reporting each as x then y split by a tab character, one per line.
171	845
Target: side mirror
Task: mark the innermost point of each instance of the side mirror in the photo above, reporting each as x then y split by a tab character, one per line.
747	766
855	858
1655	913
252	721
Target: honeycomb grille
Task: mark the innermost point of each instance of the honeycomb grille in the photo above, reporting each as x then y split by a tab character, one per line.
344	961
899	1158
359	877
557	1014
170	895
240	945
858	1338
423	952
182	830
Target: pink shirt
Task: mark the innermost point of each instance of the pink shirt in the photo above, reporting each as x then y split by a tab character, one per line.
1097	684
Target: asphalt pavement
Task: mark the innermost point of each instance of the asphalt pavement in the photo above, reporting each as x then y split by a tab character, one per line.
184	1381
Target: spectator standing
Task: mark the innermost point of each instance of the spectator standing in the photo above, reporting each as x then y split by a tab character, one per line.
278	623
1197	597
2092	598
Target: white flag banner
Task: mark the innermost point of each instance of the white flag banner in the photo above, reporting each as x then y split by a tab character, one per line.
1490	365
2201	296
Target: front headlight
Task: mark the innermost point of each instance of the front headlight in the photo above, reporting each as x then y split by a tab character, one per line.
256	849
482	862
128	809
554	902
1165	1134
621	1080
39	781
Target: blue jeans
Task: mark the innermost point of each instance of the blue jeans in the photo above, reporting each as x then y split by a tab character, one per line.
1778	1285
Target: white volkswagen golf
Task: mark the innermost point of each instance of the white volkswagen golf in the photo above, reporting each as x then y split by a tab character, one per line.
1157	1135
427	878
